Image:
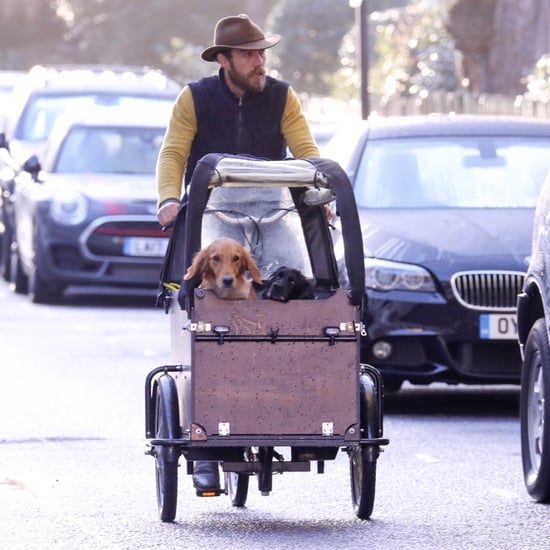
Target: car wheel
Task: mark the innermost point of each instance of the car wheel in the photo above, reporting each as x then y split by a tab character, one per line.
42	292
5	256
391	385
19	282
535	413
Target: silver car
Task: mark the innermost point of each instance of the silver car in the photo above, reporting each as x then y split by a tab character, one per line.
533	317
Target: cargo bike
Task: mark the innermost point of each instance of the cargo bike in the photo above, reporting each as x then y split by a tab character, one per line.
265	387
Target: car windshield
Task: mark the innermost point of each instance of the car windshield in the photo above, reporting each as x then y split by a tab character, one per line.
40	114
110	150
453	172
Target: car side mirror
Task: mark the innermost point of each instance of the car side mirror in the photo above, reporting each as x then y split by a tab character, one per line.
32	166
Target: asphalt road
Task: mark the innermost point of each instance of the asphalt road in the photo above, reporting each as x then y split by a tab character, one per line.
73	474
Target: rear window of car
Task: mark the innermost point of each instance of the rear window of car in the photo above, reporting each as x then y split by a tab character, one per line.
457	172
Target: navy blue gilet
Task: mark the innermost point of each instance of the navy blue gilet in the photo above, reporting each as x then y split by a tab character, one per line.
247	126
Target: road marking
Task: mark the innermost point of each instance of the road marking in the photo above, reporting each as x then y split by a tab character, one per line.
428	459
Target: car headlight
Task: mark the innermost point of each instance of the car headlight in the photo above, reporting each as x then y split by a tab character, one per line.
68	207
384	275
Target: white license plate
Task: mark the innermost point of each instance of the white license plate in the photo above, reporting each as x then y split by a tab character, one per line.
145	246
498	326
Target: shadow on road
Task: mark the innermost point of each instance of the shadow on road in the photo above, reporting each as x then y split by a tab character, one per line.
440	399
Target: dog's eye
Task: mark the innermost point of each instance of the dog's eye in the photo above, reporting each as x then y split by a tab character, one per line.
216	258
236	259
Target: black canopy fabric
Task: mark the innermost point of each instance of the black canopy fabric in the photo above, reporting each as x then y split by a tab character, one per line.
351	226
185	238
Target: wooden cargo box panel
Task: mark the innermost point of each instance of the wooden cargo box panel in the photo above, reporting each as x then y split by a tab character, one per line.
289	386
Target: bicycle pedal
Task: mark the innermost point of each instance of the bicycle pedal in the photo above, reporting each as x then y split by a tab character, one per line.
210	492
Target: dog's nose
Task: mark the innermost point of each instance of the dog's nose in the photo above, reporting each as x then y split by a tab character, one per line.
227	281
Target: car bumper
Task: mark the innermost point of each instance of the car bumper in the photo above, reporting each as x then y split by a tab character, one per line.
436	341
98	255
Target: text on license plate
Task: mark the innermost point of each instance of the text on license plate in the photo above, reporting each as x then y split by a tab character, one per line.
498	326
145	246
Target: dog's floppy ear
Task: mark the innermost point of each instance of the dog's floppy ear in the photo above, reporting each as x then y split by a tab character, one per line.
306	292
250	265
199	265
277	273
305	287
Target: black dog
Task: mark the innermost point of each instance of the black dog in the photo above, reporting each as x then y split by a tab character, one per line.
288	284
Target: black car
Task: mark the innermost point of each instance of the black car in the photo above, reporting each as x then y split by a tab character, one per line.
533	318
446	205
45	93
86	213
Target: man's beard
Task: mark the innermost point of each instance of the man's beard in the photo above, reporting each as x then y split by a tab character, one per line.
245	82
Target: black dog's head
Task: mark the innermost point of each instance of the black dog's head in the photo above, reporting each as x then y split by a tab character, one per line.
288	284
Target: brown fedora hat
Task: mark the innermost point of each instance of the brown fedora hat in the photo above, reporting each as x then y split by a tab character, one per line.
238	32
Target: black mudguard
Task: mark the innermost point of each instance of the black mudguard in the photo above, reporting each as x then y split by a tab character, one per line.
370	401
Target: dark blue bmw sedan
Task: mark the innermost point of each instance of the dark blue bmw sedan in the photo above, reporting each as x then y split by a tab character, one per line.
446	205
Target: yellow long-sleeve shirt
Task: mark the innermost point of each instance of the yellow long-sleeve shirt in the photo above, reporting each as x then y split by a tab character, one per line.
183	127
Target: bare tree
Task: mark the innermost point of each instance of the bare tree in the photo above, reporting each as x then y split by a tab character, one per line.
500	41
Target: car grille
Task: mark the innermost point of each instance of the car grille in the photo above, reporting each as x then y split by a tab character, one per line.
106	238
488	290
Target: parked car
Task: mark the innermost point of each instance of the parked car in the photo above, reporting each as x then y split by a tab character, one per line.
446	206
49	91
533	318
85	214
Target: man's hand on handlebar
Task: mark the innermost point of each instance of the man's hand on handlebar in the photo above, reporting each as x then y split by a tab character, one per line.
167	213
